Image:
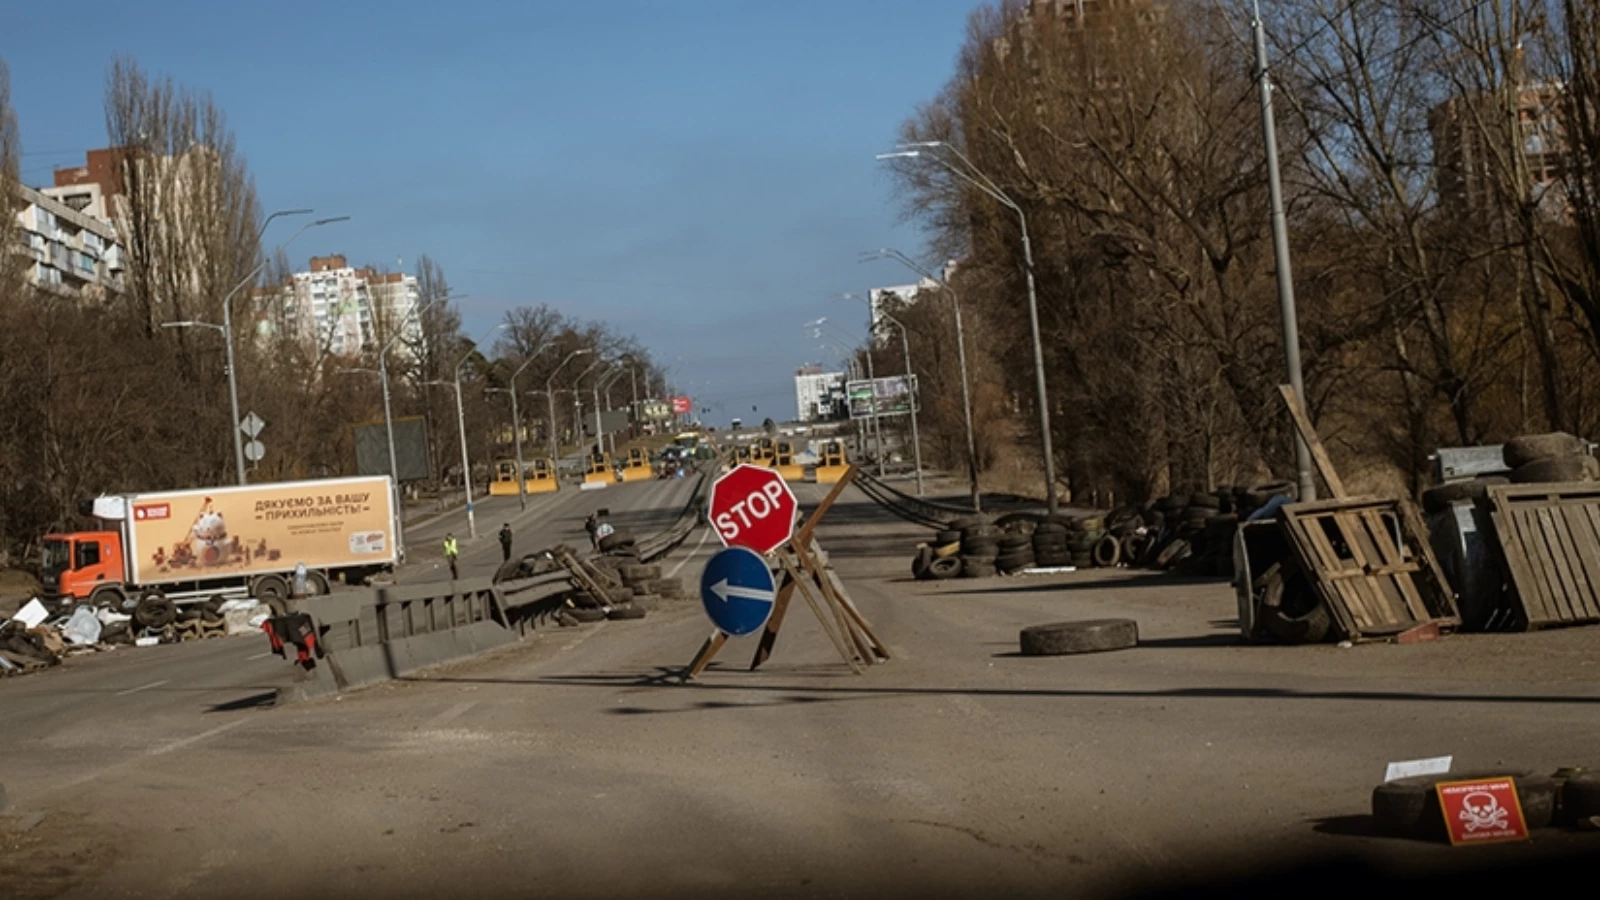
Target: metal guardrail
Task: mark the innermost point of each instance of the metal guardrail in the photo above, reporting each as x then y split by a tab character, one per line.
353	619
667	540
520	592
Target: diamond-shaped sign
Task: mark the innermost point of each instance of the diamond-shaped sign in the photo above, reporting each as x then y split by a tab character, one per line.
252	424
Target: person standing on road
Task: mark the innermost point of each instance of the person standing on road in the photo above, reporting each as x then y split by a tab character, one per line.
505	542
452	551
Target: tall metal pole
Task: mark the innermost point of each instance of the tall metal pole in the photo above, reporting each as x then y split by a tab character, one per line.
916	439
461	421
961	359
516	426
227	327
394	467
1038	374
982	182
1280	249
549	387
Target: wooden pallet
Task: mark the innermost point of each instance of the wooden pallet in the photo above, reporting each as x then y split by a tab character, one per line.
1370	560
1550	535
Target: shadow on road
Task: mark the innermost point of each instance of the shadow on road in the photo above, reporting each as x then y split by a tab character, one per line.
663	677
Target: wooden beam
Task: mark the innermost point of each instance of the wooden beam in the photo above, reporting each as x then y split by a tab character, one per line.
1308	433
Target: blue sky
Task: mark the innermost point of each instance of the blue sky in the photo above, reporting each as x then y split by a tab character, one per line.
698	172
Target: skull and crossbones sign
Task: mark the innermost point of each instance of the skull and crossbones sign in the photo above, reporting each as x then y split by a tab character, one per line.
1480	810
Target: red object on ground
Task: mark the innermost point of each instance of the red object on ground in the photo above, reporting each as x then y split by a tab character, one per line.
1485	811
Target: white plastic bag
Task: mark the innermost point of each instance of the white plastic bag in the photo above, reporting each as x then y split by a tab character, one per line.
32	614
83	628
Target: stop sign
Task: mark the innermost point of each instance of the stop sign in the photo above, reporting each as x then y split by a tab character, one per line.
751	507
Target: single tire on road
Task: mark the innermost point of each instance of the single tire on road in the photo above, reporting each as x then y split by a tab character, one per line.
631	611
1409	807
945	567
1090	636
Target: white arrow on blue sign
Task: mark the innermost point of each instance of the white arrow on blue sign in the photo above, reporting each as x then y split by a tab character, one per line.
738	591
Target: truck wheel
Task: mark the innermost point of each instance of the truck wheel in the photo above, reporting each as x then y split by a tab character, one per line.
109	598
273	591
317	584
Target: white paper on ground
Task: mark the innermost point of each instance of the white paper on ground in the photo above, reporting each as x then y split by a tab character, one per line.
32	614
1438	765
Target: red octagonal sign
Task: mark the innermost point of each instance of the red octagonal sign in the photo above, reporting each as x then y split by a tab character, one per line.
751	507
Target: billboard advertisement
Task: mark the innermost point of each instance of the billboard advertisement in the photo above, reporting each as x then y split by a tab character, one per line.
192	535
891	396
682	406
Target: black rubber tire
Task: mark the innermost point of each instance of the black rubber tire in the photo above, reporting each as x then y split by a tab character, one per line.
629	611
1580	796
965	522
1089	524
1017	563
977	568
947	536
1171	503
1020	522
269	589
945	567
1291	611
317	584
509	570
1081	544
1519	451
982	533
648	601
1409	807
616	541
586	613
155	610
982	548
1133	547
920	563
635	572
213	605
1012	542
1204	500
1049	528
1091	636
1558	469
1176	551
1108	552
1438	499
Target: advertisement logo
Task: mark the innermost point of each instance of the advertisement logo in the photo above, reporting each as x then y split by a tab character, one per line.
152	511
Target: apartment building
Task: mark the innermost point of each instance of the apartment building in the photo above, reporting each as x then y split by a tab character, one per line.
72	253
341	309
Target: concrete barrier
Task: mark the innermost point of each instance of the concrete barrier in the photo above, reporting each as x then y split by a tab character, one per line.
391	632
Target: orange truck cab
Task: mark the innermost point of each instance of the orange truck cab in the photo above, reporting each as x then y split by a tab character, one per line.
76	565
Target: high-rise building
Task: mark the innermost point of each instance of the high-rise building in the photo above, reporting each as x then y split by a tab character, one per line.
343	310
1466	164
73	252
818	395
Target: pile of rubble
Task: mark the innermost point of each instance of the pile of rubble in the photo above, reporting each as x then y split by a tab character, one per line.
609	584
37	638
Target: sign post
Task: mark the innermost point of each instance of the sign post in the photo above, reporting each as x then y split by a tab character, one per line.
754	514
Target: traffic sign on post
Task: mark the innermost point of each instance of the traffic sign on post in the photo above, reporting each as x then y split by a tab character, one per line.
251	425
752	507
738	590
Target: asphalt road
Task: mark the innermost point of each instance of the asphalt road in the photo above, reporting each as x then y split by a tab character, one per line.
570	766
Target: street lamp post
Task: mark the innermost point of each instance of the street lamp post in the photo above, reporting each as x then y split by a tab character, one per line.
875	426
916	440
227	325
961	360
1280	248
577	402
853	370
549	389
461	424
516	426
982	182
605	383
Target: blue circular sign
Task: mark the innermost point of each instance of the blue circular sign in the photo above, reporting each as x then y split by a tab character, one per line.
738	591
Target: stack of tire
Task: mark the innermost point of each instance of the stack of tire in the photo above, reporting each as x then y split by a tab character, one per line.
1554	457
1050	543
940	559
647	587
1016	547
1194	531
980	546
1083	533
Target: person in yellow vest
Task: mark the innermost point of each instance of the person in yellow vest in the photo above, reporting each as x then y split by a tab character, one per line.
452	551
